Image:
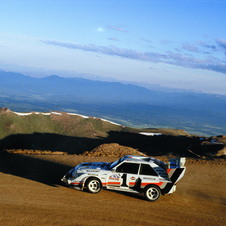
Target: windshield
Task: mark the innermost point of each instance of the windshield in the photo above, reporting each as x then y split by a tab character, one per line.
115	163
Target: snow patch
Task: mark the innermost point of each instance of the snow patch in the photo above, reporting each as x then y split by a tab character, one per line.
94	118
46	113
22	114
56	113
105	120
150	134
37	113
83	116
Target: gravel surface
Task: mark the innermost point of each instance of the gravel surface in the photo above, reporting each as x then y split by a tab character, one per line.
31	193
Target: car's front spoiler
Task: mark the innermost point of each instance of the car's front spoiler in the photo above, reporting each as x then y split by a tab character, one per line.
65	180
74	185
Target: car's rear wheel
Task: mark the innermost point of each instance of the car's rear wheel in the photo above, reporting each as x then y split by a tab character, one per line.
93	185
152	193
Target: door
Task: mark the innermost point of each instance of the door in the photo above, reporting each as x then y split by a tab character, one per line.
148	176
125	176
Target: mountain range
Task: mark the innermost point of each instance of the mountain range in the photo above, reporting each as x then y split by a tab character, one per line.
126	104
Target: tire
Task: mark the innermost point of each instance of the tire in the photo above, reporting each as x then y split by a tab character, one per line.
152	193
93	185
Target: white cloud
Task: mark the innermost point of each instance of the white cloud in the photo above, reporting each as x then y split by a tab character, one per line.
100	29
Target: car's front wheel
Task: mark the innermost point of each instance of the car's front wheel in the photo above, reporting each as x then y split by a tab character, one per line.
152	193
93	185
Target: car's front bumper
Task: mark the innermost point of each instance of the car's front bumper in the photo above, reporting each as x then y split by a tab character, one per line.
72	183
65	180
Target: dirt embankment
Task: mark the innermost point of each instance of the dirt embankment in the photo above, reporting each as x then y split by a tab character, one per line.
104	150
112	150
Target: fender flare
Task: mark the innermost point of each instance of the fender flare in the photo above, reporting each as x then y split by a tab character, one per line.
87	177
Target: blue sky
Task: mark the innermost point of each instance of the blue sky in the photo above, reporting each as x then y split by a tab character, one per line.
172	43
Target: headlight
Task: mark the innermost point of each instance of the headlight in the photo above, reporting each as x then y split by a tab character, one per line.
75	174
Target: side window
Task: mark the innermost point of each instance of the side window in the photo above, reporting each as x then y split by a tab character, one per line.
128	168
147	170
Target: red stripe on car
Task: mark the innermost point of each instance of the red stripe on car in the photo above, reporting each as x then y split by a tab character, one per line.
159	184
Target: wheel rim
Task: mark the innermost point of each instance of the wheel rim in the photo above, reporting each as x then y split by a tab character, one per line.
152	193
94	186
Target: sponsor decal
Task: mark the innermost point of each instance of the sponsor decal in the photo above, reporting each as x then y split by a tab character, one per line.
132	178
114	177
149	178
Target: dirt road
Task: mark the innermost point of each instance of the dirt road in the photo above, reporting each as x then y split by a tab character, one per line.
31	193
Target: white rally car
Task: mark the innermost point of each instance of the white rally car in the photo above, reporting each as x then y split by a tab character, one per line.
130	173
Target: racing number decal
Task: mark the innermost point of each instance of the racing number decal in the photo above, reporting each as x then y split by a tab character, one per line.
124	179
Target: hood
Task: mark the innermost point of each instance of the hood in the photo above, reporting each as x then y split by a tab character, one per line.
93	165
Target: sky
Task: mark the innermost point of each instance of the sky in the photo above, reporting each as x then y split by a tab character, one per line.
171	43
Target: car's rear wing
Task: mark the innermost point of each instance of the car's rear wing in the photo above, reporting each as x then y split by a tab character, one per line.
176	163
176	169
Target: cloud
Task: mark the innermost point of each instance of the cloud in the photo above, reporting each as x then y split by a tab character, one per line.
206	45
210	63
116	28
165	42
222	44
113	39
146	40
100	29
191	48
178	50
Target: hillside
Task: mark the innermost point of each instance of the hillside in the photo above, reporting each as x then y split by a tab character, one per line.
62	123
69	133
129	105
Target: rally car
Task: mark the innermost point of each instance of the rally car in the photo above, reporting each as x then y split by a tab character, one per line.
130	173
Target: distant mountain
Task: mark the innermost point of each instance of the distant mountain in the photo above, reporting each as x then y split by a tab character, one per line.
94	91
130	105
